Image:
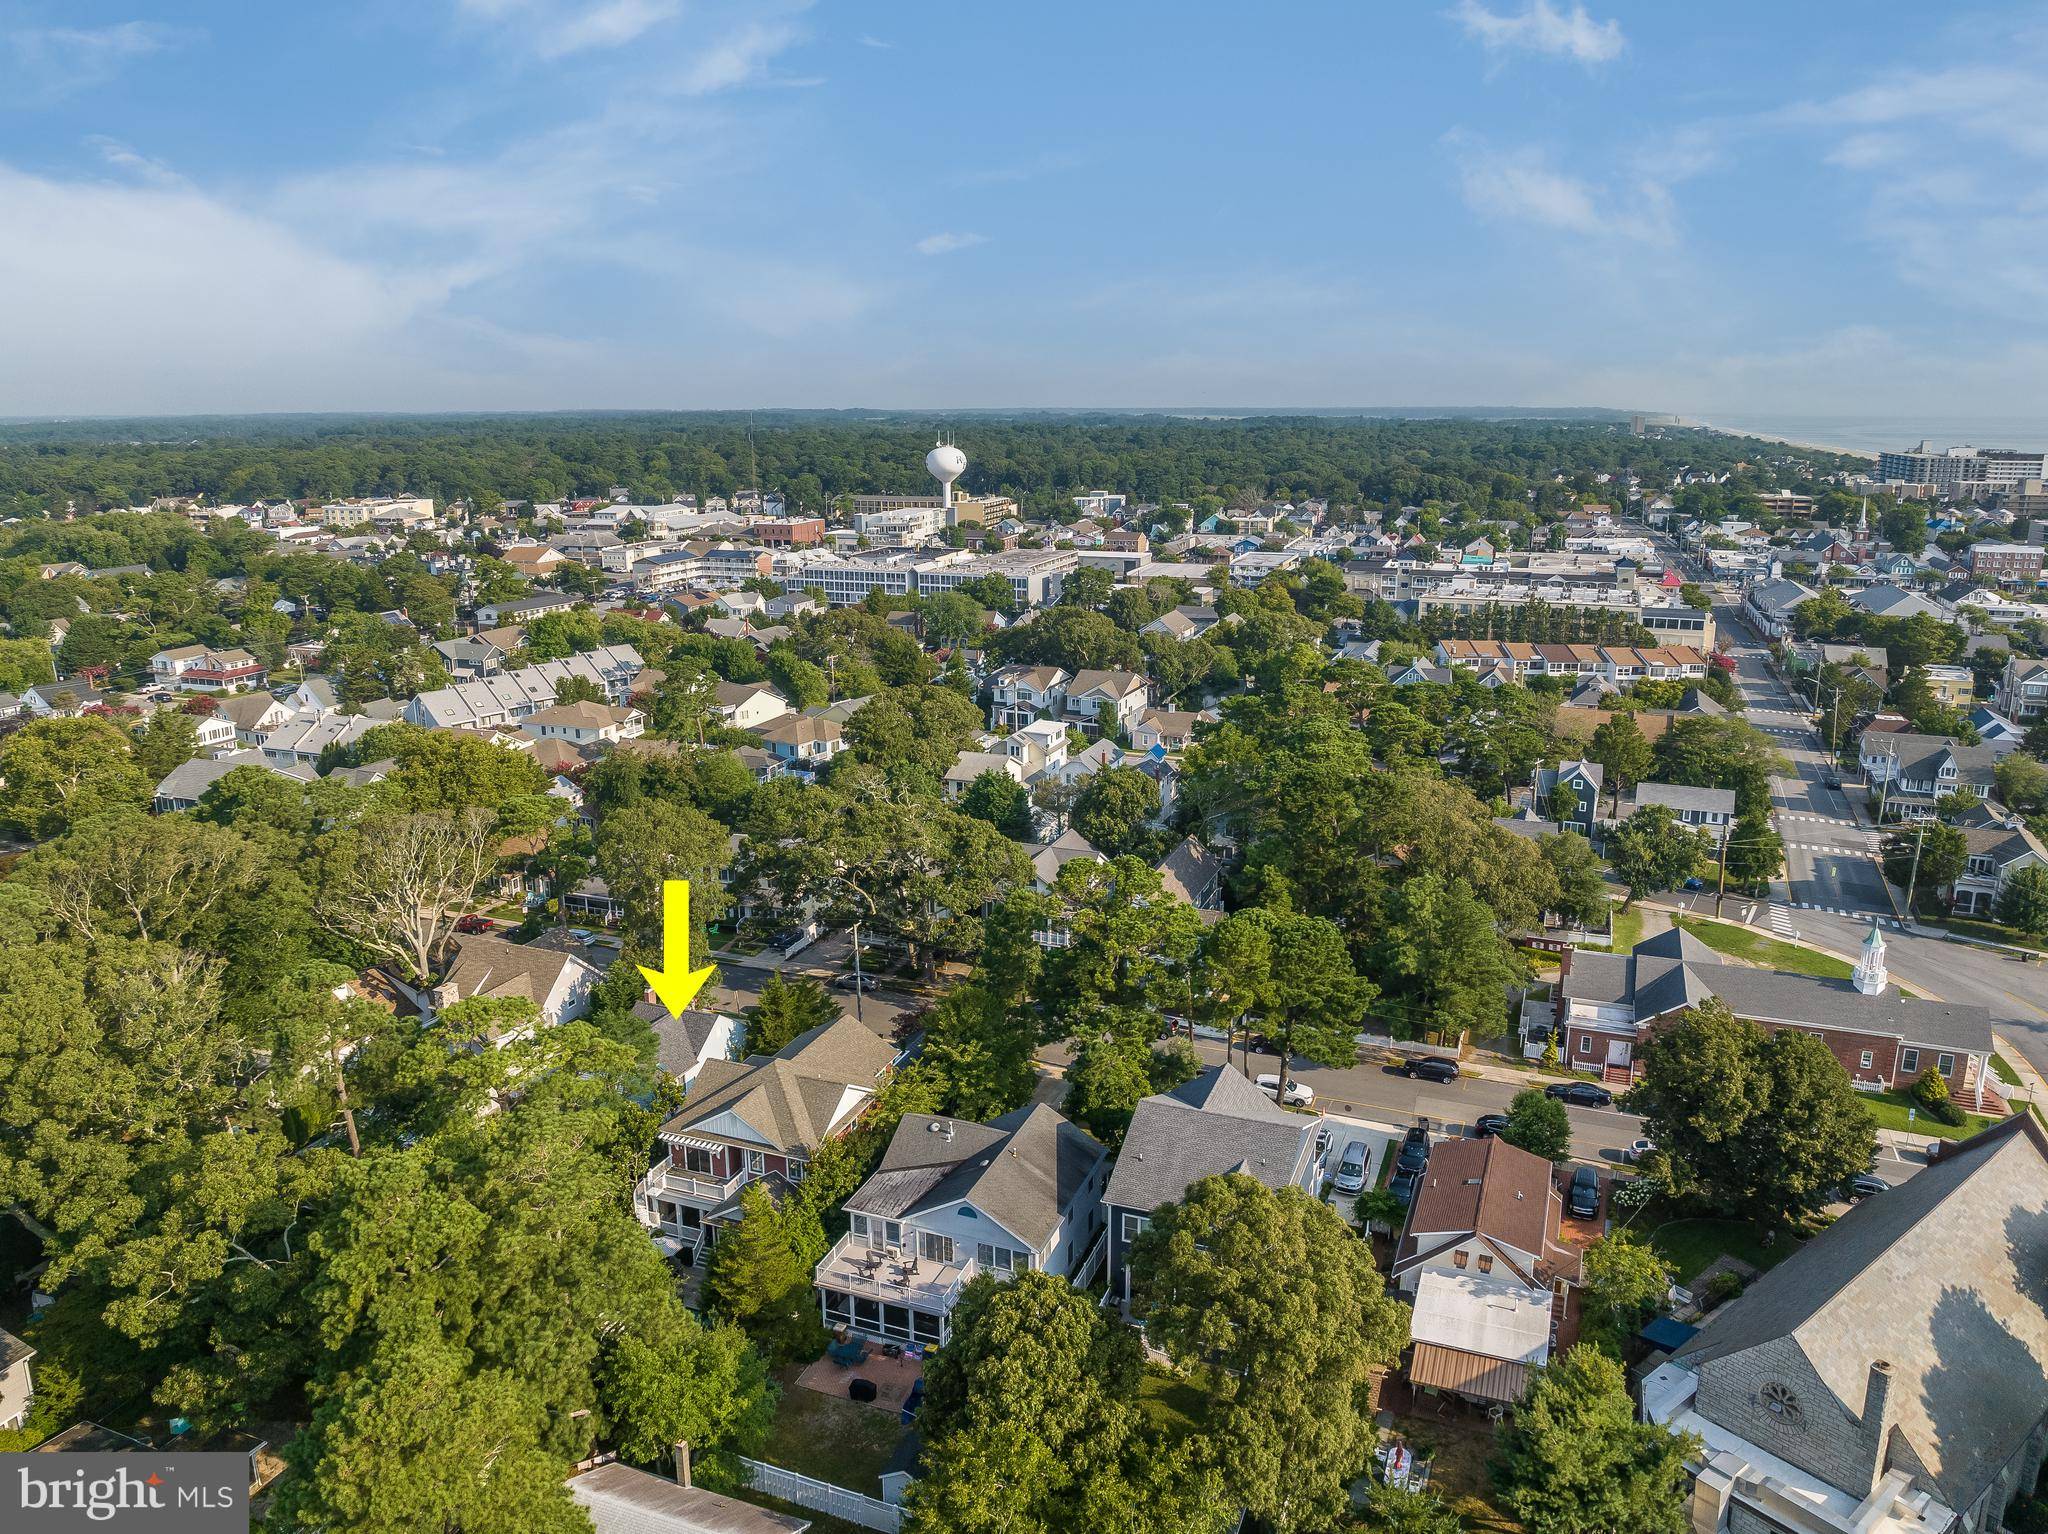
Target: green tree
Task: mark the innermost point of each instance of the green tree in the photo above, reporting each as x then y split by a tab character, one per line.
1756	852
1002	801
55	773
1943	852
1538	1123
2022	902
1113	808
923	726
1653	851
579	689
670	1379
1104	1086
953	618
644	844
1761	1125
1031	1424
1272	1302
1582	889
1398	1510
787	1008
760	1274
1625	1283
2022	783
1622	752
168	739
1293	973
1573	1459
1442	959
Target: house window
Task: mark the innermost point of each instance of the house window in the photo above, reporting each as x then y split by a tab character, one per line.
1866	1059
700	1160
892	1234
934	1246
1458	1259
858	1225
1945	1065
757	1163
1133	1223
1585	1044
1909	1062
1001	1259
1485	1262
796	1170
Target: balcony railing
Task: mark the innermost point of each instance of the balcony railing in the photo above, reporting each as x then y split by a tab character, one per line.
672	1182
898	1276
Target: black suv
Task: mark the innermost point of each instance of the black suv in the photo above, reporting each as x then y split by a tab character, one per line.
1487	1125
1584	1093
1584	1198
1414	1154
1431	1070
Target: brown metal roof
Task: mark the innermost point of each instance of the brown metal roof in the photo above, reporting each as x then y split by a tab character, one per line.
1467	1374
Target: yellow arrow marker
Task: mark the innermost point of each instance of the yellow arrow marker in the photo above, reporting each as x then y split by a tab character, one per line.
675	983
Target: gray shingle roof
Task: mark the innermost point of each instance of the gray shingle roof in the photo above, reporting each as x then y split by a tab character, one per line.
790	1098
1939	1277
1677	796
1021	1170
1218	1122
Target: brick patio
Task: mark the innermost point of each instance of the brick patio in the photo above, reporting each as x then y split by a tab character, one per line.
892	1378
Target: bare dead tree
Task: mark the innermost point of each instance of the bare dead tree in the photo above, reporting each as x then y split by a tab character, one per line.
404	879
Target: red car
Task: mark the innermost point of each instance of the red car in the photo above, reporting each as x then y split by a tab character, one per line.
474	923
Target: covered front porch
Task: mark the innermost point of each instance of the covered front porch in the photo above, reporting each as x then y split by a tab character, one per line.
890	1295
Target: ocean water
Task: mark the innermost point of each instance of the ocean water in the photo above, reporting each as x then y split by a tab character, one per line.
1874	434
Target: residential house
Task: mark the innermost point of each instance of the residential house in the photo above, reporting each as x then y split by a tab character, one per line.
186	784
1993	728
2022	694
1914	771
1167	729
1897	602
1021	695
251	716
1607	1005
952	1199
1769	605
525	609
1711	809
1952	686
468	659
1891	1375
1109	701
585	725
1040	748
301	741
17	1391
506	698
1217	1123
1582	782
972	764
558	983
802	742
761	1118
748	705
200	668
1483	1262
1184	622
621	1500
1193	873
1996	853
685	1042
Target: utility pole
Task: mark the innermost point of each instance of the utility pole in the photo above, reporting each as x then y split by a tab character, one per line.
1721	893
1914	877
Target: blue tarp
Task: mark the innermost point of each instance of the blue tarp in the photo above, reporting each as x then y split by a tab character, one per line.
1668	1334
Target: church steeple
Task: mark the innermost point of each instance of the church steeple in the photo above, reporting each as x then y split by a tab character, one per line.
1870	976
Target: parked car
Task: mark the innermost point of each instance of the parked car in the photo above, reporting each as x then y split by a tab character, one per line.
474	923
1832	780
786	937
1862	1186
862	982
1487	1125
1585	1094
1414	1152
1584	1198
1431	1069
1402	1185
1351	1168
1299	1093
1639	1148
1695	885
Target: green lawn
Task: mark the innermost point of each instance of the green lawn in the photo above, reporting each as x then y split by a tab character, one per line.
1628	930
1172	1405
1741	943
1989	931
2004	1072
1889	1109
830	1439
1690	1245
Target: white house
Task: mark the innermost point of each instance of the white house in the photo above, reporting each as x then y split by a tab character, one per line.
749	705
953	1199
1109	700
585	724
1023	694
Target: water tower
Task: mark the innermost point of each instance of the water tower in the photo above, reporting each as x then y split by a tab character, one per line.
946	463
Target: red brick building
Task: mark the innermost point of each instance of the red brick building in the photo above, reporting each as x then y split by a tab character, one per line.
1608	1004
795	533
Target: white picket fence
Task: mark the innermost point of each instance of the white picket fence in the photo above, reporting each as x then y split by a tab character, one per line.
823	1497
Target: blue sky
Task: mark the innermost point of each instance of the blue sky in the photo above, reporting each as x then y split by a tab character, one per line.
484	204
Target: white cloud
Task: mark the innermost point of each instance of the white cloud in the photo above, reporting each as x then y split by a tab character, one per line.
51	62
605	26
1540	27
868	40
1522	186
740	57
948	241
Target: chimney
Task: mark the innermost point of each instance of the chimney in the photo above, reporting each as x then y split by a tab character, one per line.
683	1462
1876	1419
